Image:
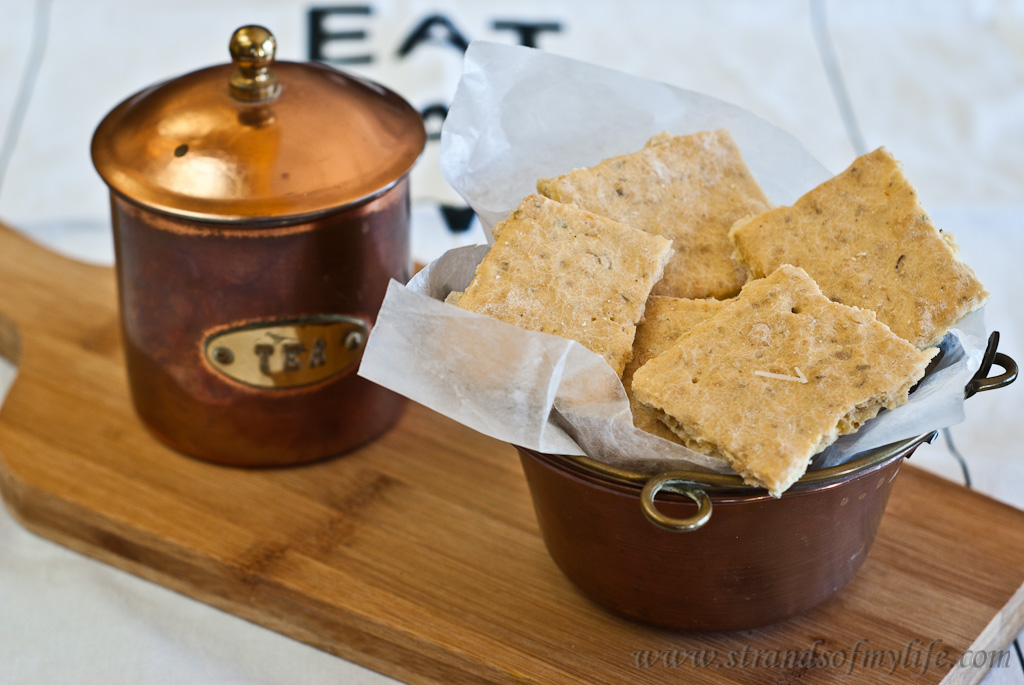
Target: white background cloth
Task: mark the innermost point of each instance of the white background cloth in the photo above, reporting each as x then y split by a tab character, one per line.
941	85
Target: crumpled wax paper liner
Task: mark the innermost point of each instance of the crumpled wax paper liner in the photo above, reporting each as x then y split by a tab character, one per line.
520	114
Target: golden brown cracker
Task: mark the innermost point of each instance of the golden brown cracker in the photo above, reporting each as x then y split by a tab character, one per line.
558	269
776	376
665	320
690	189
866	240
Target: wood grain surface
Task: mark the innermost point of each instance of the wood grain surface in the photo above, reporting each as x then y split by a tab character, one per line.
419	555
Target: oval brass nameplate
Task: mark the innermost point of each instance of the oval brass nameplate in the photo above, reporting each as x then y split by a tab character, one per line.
287	354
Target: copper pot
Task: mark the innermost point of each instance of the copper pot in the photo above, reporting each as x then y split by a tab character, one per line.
714	553
259	210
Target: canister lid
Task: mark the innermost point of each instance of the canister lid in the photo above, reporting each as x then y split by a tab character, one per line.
257	139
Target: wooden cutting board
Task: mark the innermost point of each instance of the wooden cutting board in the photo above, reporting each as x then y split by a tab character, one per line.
419	556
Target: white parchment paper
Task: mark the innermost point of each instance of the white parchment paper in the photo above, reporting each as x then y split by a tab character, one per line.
518	115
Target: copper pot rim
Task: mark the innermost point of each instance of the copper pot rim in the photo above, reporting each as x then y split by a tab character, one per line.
600	473
708	490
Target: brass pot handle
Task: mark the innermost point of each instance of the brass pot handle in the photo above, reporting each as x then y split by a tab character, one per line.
1009	375
673	483
981	381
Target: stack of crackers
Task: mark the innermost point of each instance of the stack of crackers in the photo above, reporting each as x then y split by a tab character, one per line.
748	332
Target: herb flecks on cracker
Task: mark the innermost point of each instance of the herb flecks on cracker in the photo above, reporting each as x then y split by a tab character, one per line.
690	189
866	240
707	390
558	269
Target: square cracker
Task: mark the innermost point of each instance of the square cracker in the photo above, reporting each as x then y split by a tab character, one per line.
558	269
666	319
776	376
866	240
690	189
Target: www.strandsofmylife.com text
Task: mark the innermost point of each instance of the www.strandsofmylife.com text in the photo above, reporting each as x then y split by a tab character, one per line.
916	657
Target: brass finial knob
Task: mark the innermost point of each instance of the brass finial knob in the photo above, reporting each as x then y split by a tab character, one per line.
252	50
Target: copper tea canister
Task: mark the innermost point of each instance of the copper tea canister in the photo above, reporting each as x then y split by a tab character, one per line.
259	210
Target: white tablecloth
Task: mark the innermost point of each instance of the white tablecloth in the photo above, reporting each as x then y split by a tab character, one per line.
940	84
